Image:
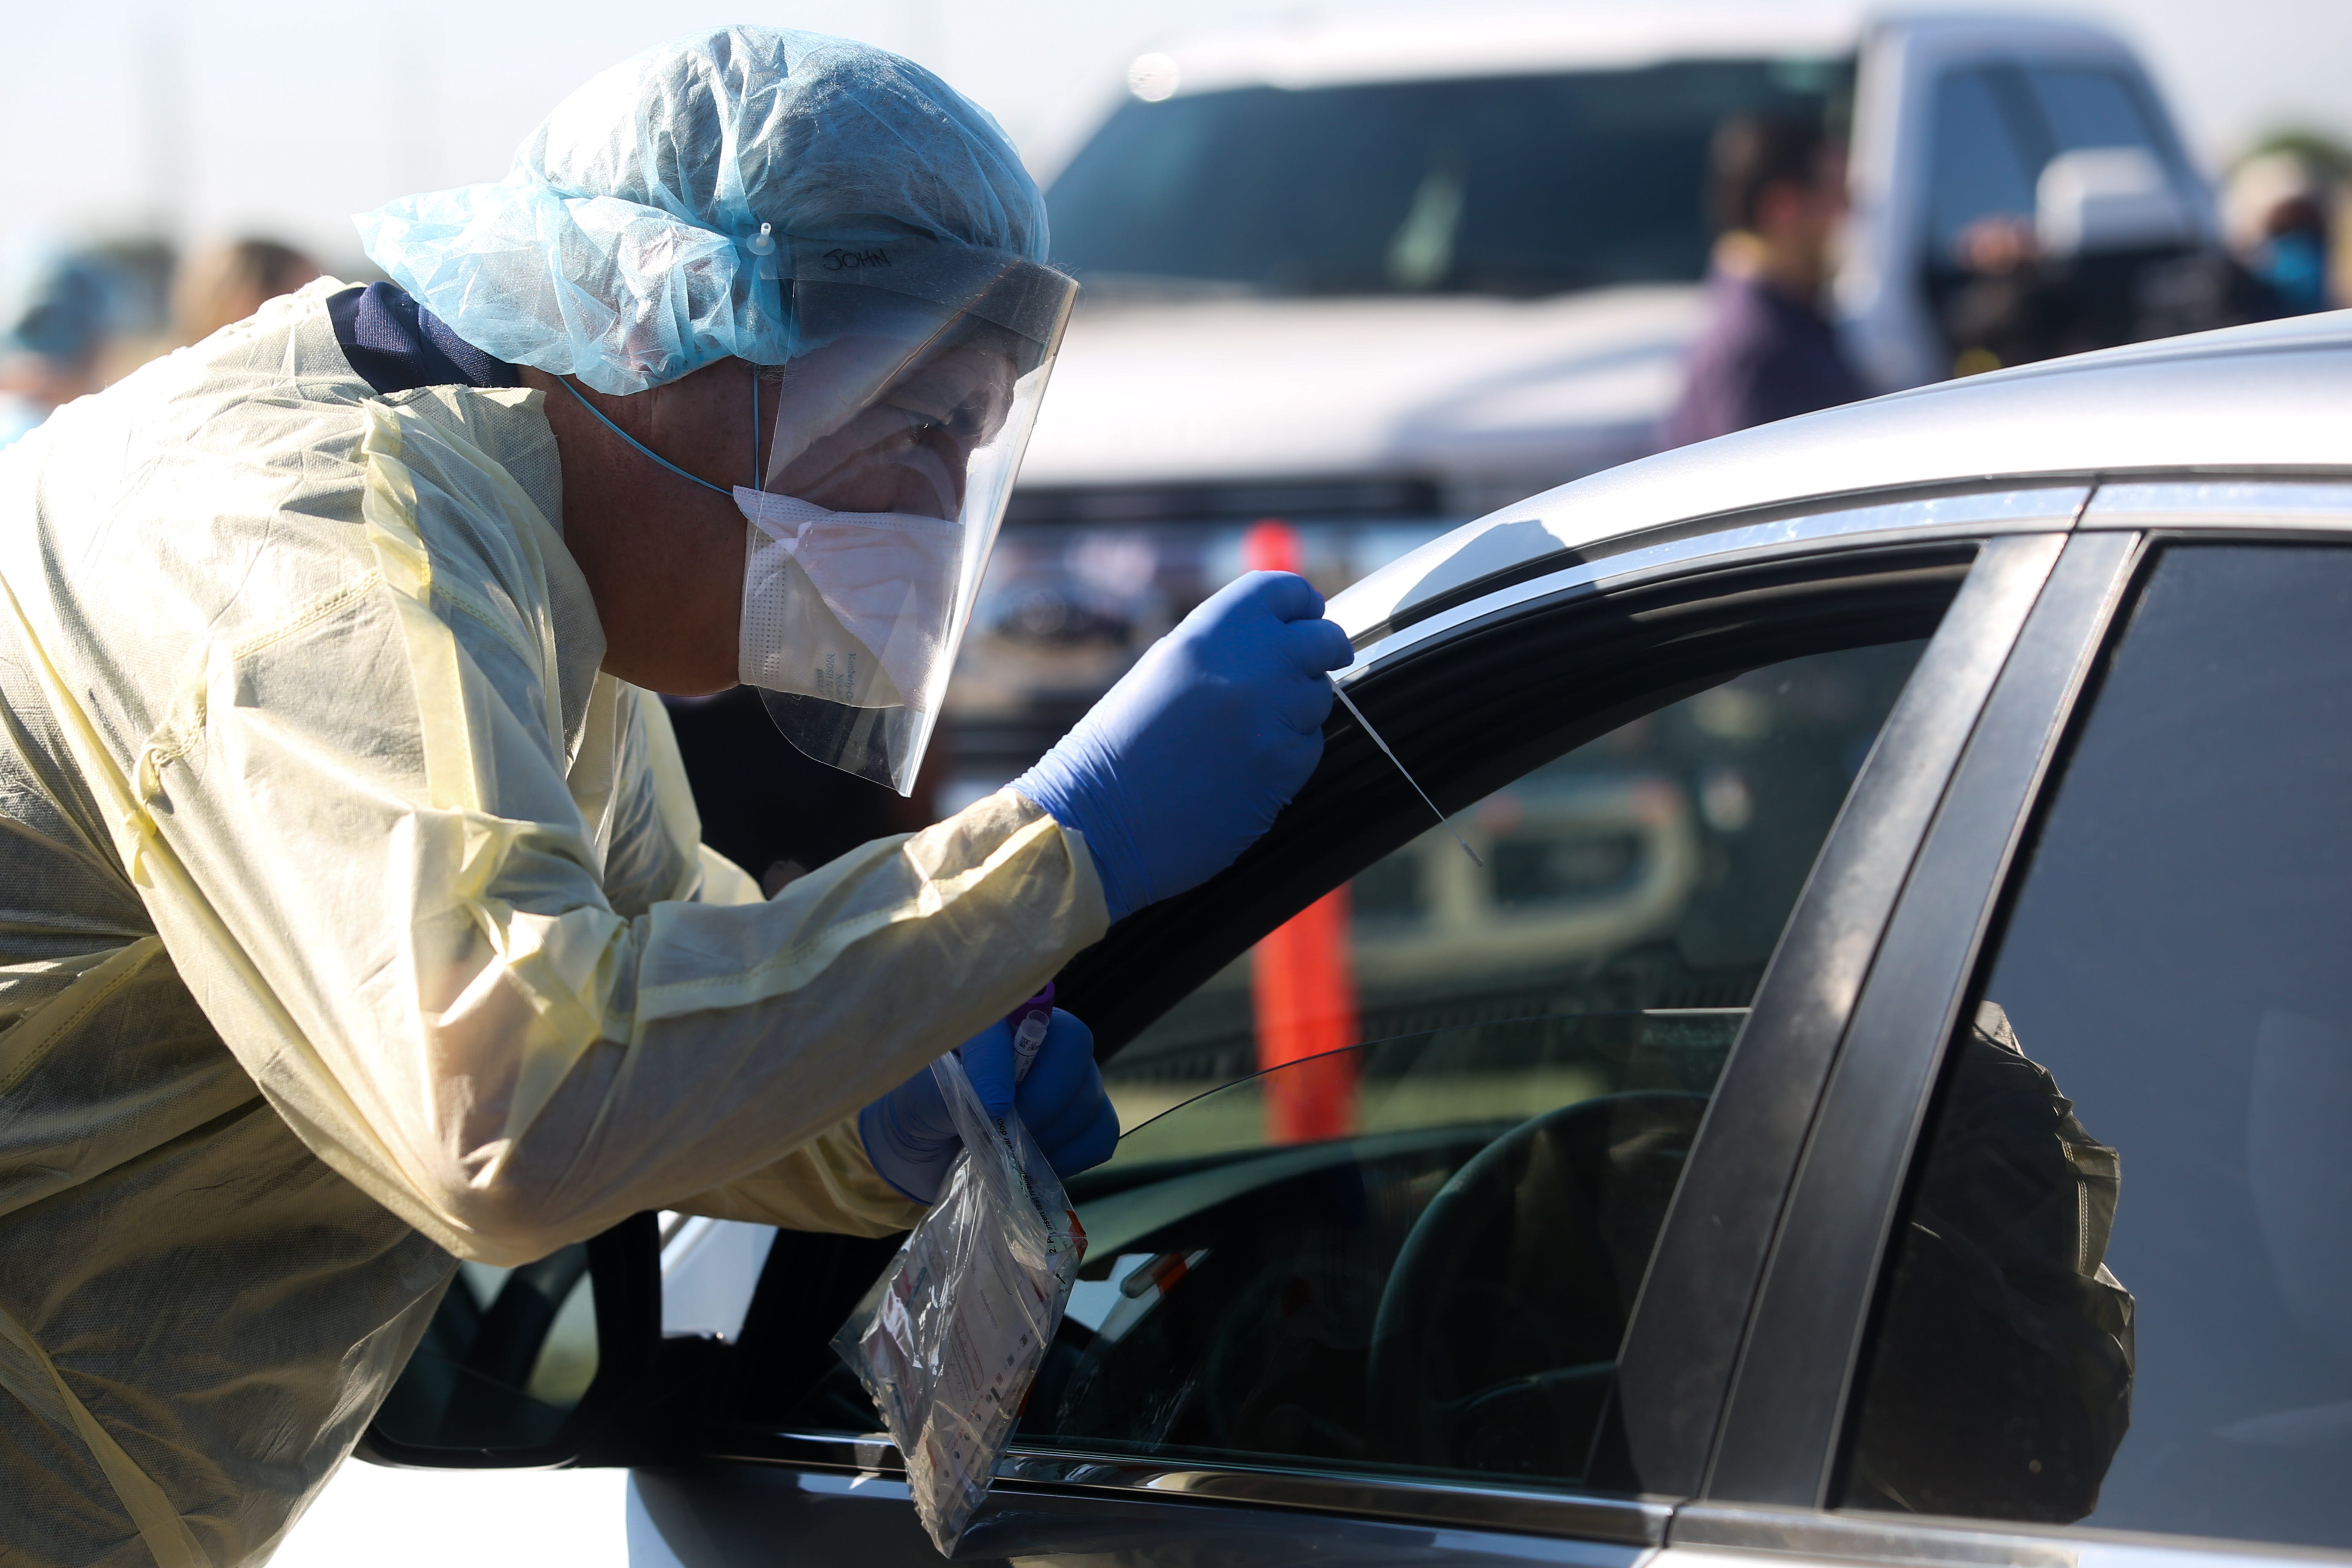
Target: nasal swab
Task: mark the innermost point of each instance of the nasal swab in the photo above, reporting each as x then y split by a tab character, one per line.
1347	702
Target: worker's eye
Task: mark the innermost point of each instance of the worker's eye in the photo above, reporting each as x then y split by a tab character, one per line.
922	418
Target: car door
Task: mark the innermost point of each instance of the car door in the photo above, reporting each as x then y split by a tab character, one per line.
2065	1276
1445	1232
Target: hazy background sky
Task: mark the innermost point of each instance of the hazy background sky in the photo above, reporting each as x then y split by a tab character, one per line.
285	115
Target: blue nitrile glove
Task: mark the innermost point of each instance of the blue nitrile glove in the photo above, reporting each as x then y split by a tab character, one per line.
912	1139
1185	761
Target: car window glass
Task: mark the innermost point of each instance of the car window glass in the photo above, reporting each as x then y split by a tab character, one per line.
2123	1289
1650	869
2085	106
1413	1240
709	1269
506	1359
1513	185
1984	164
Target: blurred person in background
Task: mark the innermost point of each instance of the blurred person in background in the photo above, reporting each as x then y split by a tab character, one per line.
1766	351
57	310
228	282
2275	209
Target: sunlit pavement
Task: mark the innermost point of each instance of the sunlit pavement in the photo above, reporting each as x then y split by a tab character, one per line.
456	1518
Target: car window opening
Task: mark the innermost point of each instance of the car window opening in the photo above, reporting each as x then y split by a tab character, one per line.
1392	1180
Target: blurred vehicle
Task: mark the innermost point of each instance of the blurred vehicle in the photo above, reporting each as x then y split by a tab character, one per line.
1878	1100
1376	274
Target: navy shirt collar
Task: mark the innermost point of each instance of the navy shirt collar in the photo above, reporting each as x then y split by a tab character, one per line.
395	345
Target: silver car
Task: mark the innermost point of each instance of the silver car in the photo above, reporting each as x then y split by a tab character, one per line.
1880	1094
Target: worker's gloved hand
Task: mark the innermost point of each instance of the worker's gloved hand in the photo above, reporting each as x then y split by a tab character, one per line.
1185	761
912	1140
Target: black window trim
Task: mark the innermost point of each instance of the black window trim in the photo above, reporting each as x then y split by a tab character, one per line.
1459	1502
1781	1420
1692	1318
738	1504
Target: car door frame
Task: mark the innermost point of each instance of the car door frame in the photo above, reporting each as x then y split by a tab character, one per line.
1692	1313
1772	1477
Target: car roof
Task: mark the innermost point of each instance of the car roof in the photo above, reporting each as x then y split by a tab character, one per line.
1324	50
2273	398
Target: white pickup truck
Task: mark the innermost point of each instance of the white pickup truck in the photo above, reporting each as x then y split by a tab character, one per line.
1374	276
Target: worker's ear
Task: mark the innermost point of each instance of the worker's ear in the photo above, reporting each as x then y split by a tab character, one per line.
549	1363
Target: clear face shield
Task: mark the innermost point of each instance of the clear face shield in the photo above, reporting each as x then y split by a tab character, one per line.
900	425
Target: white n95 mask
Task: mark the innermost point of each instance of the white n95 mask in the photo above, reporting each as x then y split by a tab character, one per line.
850	607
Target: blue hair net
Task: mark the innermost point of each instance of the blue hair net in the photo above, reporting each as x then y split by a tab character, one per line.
621	248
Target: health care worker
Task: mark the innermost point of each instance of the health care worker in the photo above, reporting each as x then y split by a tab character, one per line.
355	920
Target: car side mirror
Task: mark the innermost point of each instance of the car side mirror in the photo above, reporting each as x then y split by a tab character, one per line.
543	1365
2098	200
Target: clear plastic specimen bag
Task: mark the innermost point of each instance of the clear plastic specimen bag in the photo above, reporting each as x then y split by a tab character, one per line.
950	1338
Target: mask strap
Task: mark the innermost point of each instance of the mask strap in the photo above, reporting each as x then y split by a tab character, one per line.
565	383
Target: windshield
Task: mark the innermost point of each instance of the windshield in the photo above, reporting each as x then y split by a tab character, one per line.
1511	185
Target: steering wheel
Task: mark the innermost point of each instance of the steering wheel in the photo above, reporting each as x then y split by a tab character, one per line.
1551	1226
